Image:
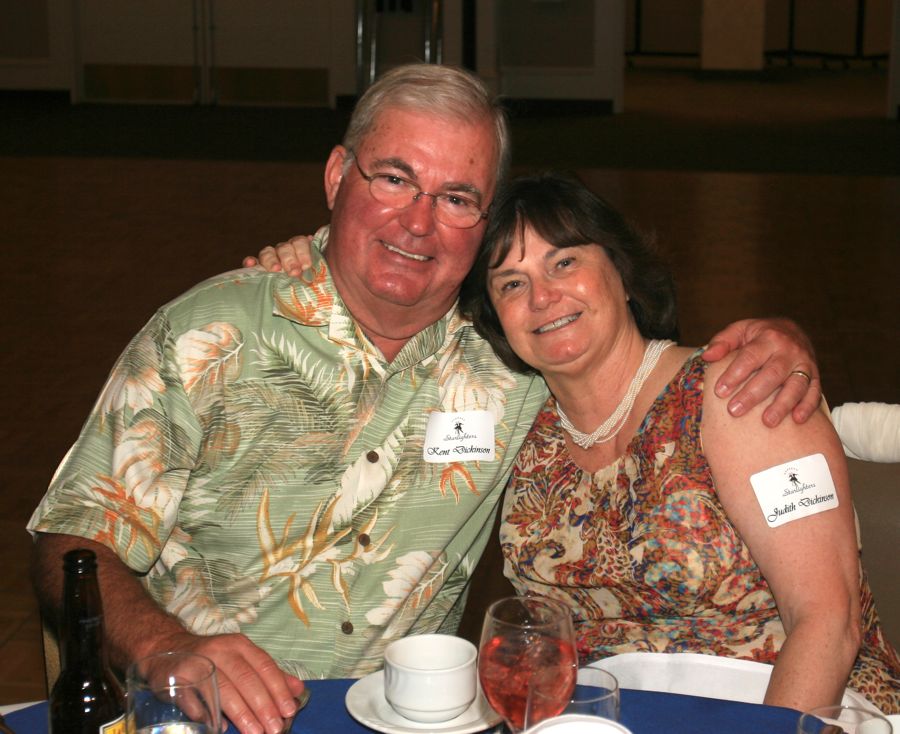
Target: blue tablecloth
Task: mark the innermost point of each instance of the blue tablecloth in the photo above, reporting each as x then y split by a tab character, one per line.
644	712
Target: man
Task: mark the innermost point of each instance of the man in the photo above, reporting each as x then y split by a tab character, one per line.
271	476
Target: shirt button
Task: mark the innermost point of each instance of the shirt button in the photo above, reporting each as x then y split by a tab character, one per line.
372	456
347	628
364	539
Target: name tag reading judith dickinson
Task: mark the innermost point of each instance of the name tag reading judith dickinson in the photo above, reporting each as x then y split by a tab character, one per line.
797	489
464	436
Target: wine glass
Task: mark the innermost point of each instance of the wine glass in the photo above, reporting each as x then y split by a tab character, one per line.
172	693
527	661
842	720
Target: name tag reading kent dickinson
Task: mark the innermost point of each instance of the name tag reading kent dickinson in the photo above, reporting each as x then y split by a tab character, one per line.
797	489
466	435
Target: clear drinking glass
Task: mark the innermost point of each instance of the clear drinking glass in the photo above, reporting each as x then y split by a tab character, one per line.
842	720
527	652
172	693
596	695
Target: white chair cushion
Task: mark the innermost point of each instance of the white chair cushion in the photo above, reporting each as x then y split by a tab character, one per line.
869	431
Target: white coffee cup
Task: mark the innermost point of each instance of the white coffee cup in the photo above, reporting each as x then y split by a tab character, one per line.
578	724
430	678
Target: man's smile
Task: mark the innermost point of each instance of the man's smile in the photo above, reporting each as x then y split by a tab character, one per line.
404	253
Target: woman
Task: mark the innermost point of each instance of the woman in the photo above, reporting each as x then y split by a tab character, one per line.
631	499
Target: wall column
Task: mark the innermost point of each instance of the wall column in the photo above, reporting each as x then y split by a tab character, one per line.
893	110
733	35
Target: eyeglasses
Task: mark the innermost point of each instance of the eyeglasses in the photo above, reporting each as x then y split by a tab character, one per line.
452	209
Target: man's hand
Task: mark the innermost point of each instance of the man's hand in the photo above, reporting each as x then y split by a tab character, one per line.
292	257
255	693
774	357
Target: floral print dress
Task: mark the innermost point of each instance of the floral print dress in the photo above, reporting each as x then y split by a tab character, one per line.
643	551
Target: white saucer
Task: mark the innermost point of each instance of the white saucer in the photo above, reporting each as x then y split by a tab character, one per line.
366	703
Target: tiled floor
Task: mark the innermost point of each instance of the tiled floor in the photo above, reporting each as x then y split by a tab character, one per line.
92	245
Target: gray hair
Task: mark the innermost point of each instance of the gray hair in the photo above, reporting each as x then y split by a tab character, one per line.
441	90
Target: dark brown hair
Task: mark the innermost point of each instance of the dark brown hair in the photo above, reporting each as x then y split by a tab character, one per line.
565	213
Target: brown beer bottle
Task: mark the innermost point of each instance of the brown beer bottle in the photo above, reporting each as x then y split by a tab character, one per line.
86	698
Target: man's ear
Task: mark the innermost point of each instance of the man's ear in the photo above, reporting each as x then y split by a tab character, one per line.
334	173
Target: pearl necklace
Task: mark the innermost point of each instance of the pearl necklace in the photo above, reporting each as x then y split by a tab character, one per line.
610	428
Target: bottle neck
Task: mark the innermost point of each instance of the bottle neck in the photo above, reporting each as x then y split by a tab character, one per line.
81	631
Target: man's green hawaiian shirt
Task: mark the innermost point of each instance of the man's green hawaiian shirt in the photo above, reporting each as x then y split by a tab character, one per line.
255	455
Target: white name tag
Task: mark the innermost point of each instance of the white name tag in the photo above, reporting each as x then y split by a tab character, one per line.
794	490
464	436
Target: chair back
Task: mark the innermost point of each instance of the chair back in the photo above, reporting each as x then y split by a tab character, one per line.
876	497
51	654
692	674
870	434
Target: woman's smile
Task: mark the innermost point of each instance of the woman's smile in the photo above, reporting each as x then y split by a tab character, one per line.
558	323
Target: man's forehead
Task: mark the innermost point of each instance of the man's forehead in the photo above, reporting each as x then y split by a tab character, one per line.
397	131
